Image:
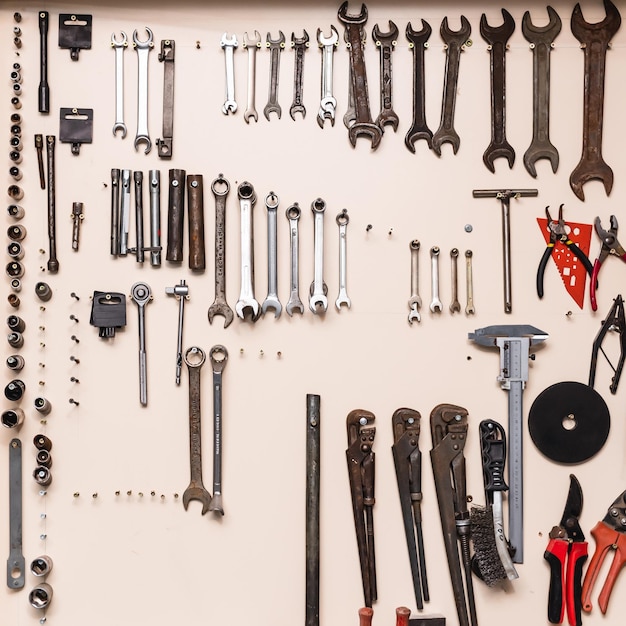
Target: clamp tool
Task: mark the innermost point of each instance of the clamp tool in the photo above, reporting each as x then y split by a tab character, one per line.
609	534
360	459
610	245
566	553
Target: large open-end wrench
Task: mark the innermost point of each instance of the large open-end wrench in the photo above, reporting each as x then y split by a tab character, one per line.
418	40
143	50
318	302
594	39
141	295
342	221
247	304
271	301
195	358
363	125
275	46
229	45
300	45
541	40
294	304
415	301
454	44
435	303
386	42
219	357
328	103
16	570
119	47
220	188
497	38
251	45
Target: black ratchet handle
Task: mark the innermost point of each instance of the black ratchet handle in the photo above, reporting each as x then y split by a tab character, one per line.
44	89
493	449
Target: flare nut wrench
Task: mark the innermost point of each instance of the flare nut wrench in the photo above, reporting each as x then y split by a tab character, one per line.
143	50
119	47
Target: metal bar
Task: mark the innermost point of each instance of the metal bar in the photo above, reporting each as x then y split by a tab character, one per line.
312	510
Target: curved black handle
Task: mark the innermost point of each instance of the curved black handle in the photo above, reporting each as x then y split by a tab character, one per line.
542	268
576	251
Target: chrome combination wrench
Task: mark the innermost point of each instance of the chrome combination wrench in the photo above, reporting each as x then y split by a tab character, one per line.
143	50
415	301
469	309
295	304
141	295
219	357
119	47
318	302
247	304
229	45
272	301
328	102
435	304
455	305
342	221
251	45
276	46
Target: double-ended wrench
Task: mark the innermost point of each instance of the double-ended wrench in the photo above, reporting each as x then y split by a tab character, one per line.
295	304
119	47
318	302
247	304
271	301
143	50
229	45
219	357
328	103
342	222
251	45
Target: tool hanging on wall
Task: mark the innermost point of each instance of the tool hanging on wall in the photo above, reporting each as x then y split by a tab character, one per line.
119	47
108	312
610	246
195	204
143	52
43	93
300	46
175	216
16	566
77	218
247	306
418	42
166	56
386	42
155	217
75	33
271	300
181	293
312	532
53	263
218	356
328	103
251	44
275	46
141	295
229	44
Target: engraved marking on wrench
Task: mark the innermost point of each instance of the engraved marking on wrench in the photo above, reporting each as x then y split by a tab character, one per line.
119	47
328	103
455	305
469	278
318	302
300	45
435	304
342	221
251	45
295	304
415	301
272	301
143	50
229	45
386	42
275	47
219	357
247	303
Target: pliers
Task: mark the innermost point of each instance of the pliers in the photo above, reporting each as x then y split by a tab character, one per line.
610	245
609	534
558	234
566	554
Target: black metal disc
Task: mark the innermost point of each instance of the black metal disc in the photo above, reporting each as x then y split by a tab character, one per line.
569	422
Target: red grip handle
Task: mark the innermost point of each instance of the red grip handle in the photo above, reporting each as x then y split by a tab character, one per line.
556	554
365	616
594	281
402	616
573	586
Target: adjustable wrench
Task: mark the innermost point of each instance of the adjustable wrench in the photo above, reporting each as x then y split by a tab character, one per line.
247	303
195	358
181	293
143	50
328	103
294	304
435	304
229	45
415	301
318	289
16	569
251	45
119	47
386	42
272	301
342	221
275	47
469	309
300	45
455	305
219	357
141	295
220	188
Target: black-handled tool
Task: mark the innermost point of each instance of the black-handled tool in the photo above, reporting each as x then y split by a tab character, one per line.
44	89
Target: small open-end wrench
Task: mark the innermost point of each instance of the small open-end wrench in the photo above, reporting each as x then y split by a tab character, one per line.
272	301
16	569
386	42
435	303
318	302
141	295
125	212
247	304
181	293
415	301
219	357
276	46
295	304
251	45
342	220
194	359
328	103
143	50
469	283
229	45
119	47
418	41
455	305
220	188
300	45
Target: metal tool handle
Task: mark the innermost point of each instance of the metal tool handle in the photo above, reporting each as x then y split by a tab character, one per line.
115	211
16	574
141	295
139	250
195	200
53	263
247	198
175	216
219	357
155	217
166	56
125	213
312	538
44	89
194	359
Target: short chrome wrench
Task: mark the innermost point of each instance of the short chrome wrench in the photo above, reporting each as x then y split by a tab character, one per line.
276	46
469	309
300	45
125	213
141	295
342	221
272	301
247	303
435	304
16	569
219	357
455	305
251	45
328	103
229	45
119	47
295	304
318	302
143	50
415	301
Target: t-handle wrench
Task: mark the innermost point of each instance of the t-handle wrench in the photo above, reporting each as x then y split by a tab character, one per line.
272	301
294	304
317	300
141	295
342	220
219	356
119	47
229	45
247	301
143	50
181	293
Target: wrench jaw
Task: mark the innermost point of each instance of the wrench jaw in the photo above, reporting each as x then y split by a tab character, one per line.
271	302
248	309
328	103
294	306
139	139
199	493
318	302
143	50
120	126
222	309
610	24
328	106
365	129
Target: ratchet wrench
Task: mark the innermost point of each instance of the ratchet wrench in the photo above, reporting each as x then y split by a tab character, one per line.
143	50
141	295
119	47
219	356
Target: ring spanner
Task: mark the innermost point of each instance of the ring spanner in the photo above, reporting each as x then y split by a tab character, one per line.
219	357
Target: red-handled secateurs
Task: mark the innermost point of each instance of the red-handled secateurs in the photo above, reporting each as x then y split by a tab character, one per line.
566	554
610	245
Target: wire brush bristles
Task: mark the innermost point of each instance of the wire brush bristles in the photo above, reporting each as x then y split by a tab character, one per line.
486	562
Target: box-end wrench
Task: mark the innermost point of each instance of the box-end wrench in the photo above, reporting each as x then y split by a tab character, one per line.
251	45
435	303
229	45
141	295
125	213
119	47
247	304
143	50
219	357
295	304
275	46
318	302
300	45
220	188
328	103
194	359
272	301
342	220
181	293
455	305
469	277
415	301
16	567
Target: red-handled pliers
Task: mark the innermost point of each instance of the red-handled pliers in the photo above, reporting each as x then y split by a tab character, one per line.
610	245
566	554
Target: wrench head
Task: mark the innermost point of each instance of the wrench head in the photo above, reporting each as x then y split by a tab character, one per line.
299	41
148	43
271	302
272	108
542	34
222	309
297	108
119	126
280	42
365	129
389	37
139	139
199	493
586	171
343	299
436	306
248	309
216	505
414	314
318	304
388	117
294	305
458	37
250	114
325	114
497	34
495	151
345	18
540	150
228	42
254	43
441	136
229	106
332	40
415	134
418	37
601	31
119	44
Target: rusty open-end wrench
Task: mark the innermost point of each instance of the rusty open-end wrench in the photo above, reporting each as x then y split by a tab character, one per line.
594	39
497	38
275	46
363	125
454	44
541	40
219	356
386	42
419	130
194	359
299	45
